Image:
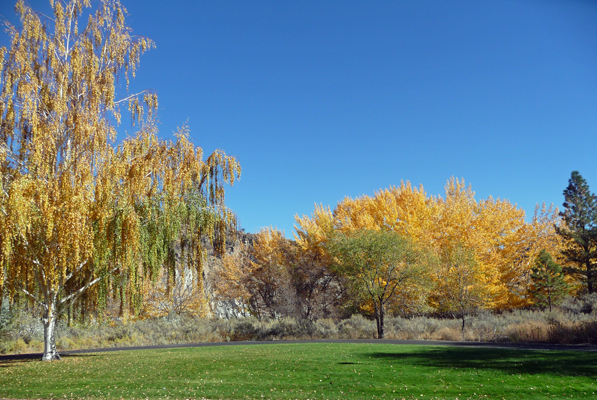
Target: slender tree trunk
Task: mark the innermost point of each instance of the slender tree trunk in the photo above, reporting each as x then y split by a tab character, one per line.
590	277
49	321
379	316
70	315
463	315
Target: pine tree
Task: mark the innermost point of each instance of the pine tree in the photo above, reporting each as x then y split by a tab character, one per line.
548	284
580	229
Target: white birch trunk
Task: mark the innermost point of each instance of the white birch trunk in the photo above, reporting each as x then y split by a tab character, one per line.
49	321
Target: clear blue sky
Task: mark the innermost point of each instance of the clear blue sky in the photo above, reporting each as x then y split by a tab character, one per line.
325	99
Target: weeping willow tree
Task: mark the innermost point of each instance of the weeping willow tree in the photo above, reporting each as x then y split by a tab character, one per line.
82	213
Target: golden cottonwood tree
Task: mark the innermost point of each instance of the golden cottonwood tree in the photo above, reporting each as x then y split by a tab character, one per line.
460	289
313	232
81	213
231	283
493	230
319	291
256	278
480	227
403	209
269	279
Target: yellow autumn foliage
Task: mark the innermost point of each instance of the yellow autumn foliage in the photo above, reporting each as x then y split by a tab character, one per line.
494	230
82	214
254	277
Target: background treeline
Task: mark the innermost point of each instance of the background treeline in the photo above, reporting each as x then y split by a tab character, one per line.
486	256
487	275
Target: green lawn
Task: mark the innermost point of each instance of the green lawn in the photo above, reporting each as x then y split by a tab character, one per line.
307	371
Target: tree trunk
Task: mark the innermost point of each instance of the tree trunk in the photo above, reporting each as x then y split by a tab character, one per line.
379	316
70	315
590	277
463	322
49	321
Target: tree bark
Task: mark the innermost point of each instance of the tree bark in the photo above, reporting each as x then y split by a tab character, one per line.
590	287
379	316
49	321
463	315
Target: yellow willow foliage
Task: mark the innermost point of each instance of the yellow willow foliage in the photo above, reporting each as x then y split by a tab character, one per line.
80	213
494	230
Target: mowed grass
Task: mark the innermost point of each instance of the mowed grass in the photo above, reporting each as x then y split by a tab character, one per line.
307	371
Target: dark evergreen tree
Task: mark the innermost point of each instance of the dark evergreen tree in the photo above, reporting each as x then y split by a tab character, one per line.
548	284
580	228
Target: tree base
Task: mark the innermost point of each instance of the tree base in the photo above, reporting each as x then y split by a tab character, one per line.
53	356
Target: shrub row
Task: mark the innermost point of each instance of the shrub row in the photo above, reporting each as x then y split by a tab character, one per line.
574	322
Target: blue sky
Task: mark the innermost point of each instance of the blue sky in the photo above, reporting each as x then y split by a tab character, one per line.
325	99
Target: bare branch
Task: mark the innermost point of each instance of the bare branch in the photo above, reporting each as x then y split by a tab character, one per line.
75	271
75	295
131	96
32	297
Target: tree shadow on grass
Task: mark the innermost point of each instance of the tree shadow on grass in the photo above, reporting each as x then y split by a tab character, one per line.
514	362
18	359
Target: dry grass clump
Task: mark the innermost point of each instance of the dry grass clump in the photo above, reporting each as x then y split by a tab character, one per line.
573	333
574	322
530	331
